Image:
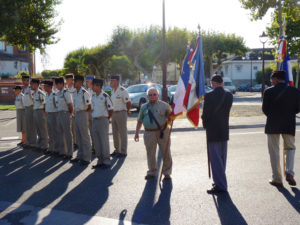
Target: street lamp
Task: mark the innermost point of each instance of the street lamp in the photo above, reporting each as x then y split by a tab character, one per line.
263	39
164	63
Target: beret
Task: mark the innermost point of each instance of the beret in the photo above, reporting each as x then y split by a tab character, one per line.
17	87
59	80
78	78
217	78
48	82
98	81
115	77
69	75
25	76
90	77
279	74
35	81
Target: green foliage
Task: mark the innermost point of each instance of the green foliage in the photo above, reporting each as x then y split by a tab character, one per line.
52	73
268	72
121	65
8	107
28	23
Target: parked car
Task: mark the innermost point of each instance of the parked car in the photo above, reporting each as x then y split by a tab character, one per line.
229	85
257	87
172	90
138	94
244	87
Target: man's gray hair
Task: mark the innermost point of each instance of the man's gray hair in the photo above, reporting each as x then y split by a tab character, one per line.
152	88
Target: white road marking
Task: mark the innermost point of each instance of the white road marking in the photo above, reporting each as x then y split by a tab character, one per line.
247	133
9	138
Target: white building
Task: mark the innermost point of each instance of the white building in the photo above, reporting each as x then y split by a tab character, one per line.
12	59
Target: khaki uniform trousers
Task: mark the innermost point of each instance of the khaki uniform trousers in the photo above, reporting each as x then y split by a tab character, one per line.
91	127
274	151
151	140
119	129
64	133
100	133
30	127
39	118
73	130
82	135
52	125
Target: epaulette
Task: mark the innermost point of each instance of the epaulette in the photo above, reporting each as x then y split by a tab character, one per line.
83	90
122	89
105	94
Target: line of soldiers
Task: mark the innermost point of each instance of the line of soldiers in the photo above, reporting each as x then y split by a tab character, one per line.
64	115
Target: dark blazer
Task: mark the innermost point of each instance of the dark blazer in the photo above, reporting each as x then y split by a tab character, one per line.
281	103
215	116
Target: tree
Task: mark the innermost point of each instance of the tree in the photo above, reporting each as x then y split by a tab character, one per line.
28	23
268	72
121	65
74	62
52	73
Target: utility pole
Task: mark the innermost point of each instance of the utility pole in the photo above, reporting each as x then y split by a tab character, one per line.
164	63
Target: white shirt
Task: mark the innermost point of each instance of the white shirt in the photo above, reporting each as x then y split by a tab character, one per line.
91	92
101	104
63	98
38	99
28	99
119	98
82	100
71	90
51	106
19	101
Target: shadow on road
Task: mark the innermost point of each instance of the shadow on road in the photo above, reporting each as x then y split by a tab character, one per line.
89	196
293	200
227	211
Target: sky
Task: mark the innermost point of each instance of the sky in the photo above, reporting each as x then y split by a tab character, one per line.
88	23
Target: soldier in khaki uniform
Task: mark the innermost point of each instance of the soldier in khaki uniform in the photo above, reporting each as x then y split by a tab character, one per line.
122	104
20	111
39	115
154	116
102	111
82	106
70	88
51	115
28	104
89	85
64	102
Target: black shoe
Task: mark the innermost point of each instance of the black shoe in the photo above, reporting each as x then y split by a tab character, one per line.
215	190
121	155
84	163
67	157
75	160
20	144
115	153
167	177
47	152
98	166
148	177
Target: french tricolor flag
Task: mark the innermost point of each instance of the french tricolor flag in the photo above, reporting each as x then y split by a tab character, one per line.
191	86
285	63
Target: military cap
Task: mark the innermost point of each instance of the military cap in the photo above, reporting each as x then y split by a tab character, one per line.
59	80
78	78
217	78
115	77
90	77
53	78
35	81
98	82
48	82
17	87
279	74
69	75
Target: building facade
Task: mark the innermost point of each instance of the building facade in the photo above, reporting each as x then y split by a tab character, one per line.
13	59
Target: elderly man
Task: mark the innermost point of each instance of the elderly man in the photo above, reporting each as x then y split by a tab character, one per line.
122	105
215	119
280	105
154	116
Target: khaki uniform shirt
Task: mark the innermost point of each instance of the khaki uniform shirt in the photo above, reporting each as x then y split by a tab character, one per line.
160	110
119	98
28	99
82	100
19	101
50	106
39	99
63	98
101	104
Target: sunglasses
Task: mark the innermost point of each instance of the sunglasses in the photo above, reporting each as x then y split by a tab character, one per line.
150	95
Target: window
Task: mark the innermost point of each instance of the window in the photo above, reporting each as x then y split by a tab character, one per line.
238	68
254	67
16	65
2	46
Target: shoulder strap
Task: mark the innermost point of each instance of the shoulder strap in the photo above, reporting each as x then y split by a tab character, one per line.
152	117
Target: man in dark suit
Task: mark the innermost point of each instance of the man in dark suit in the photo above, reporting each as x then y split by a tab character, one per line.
281	103
215	119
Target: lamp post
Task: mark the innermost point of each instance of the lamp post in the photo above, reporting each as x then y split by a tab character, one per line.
263	39
164	64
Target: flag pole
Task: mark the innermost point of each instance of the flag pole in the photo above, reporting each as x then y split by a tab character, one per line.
165	152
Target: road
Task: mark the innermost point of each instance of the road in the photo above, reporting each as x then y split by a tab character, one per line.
37	189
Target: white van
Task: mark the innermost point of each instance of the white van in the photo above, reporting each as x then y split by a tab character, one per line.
229	85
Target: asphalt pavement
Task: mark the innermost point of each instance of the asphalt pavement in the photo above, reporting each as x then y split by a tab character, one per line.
38	189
